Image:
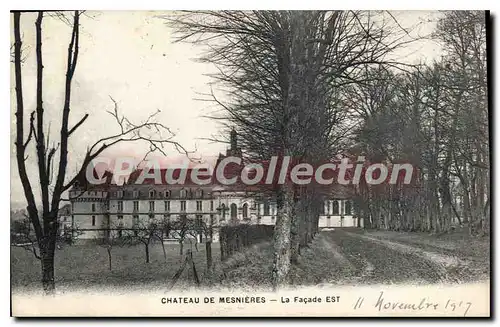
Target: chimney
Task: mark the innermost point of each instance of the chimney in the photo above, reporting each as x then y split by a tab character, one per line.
234	140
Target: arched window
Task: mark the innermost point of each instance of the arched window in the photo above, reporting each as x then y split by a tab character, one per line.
335	207
223	211
234	211
245	211
167	194
183	194
152	194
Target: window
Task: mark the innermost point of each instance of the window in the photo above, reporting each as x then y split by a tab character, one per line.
245	211
199	193
211	205
266	208
120	225
234	211
152	194
120	206
335	207
183	205
223	211
167	194
120	194
347	207
135	224
93	207
199	221
199	205
135	194
166	225
151	206
167	205
183	194
136	206
93	220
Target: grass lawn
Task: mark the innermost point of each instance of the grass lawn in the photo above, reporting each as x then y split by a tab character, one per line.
334	257
86	266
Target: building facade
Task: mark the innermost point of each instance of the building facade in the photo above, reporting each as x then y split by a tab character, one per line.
96	210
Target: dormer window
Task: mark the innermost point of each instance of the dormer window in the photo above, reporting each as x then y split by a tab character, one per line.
183	194
119	194
167	194
152	194
199	193
135	194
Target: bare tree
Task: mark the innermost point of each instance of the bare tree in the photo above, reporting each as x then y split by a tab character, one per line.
163	232
55	157
143	233
111	240
182	228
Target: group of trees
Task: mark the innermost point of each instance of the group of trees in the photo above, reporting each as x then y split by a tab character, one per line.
281	74
146	233
434	116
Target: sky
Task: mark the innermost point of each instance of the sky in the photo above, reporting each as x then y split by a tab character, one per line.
130	56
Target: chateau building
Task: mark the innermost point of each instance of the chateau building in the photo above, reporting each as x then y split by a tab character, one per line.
97	209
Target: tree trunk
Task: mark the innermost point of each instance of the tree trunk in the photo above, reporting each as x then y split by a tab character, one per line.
164	250
109	258
295	232
47	262
181	247
146	248
208	248
281	264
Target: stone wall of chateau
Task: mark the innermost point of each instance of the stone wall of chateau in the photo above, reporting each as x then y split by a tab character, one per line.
92	212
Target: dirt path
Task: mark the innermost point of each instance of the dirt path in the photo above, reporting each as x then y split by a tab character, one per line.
462	255
449	268
377	262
